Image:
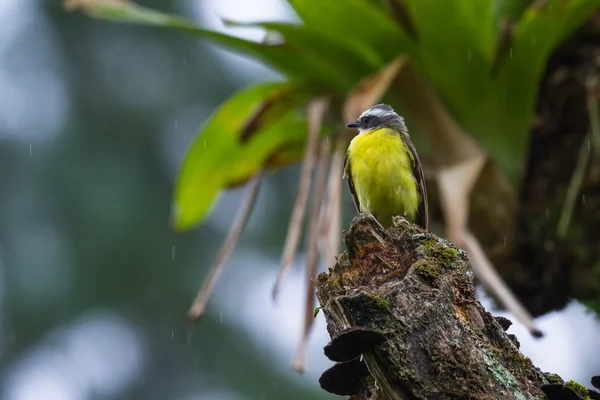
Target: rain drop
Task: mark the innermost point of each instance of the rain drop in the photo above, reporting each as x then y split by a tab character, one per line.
173	252
221	316
204	143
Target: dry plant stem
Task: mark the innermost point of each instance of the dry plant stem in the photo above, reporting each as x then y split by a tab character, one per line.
312	256
316	111
332	223
585	154
488	275
574	187
322	241
592	106
200	302
456	184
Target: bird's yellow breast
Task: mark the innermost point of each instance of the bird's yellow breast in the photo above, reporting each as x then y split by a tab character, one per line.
381	168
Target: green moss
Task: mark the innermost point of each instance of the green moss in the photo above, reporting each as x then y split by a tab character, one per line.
443	251
427	271
553	378
377	303
518	361
579	388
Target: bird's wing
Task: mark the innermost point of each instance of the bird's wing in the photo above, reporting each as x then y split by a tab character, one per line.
348	173
417	170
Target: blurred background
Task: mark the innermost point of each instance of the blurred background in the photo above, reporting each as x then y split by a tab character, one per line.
94	287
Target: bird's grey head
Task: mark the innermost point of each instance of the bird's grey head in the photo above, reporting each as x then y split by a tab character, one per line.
379	116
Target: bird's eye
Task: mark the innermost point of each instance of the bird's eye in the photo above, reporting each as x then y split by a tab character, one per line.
364	120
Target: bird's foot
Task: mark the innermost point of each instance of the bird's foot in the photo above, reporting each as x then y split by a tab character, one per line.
378	230
401	221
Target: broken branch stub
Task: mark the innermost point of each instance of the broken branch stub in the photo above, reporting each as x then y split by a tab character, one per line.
411	295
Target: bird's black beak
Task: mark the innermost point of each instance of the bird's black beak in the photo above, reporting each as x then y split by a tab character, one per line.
353	125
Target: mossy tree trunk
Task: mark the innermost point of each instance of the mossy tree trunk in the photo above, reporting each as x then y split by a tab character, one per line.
400	307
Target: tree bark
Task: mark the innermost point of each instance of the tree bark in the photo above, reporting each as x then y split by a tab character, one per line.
401	309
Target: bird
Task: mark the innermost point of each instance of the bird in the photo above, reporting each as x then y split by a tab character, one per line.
383	169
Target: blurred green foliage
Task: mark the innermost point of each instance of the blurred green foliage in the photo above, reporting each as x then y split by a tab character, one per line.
483	58
85	217
220	159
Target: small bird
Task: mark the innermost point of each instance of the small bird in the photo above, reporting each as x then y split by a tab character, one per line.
384	173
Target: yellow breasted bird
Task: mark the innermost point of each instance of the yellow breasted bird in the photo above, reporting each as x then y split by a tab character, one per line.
384	173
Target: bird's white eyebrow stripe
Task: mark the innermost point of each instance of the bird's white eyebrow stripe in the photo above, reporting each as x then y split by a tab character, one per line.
377	112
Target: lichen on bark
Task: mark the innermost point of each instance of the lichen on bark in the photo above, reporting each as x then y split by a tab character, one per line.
416	291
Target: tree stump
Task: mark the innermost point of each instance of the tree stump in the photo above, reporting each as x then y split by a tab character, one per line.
400	307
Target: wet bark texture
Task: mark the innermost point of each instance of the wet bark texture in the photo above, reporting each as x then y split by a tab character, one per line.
400	307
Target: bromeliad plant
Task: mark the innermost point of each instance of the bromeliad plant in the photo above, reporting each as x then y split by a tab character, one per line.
464	73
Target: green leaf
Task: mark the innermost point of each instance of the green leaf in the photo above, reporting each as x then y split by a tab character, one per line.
456	56
218	159
287	59
316	312
454	53
366	27
339	60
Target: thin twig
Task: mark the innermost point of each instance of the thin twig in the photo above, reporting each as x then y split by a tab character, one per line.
322	241
574	187
312	255
582	160
490	278
332	222
200	302
316	111
592	106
